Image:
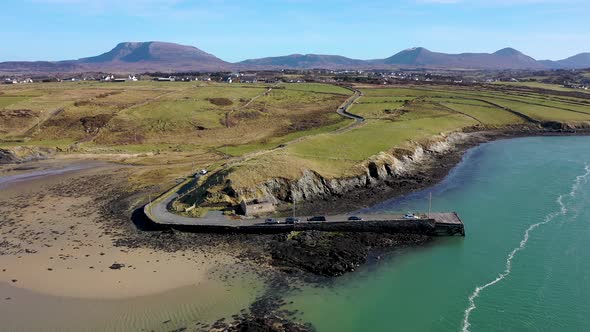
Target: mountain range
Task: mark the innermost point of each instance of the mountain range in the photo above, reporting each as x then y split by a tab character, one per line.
137	57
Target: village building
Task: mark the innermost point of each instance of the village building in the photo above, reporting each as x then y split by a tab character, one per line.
248	79
257	207
165	79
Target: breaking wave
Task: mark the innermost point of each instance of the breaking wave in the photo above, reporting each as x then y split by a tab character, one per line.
550	217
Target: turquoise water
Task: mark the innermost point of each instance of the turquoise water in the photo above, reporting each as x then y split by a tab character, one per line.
523	266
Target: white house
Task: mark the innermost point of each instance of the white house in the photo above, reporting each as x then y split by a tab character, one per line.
165	79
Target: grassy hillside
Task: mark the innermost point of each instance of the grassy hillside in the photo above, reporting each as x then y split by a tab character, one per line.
261	131
400	117
171	123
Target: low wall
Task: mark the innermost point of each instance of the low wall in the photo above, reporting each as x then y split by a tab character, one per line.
426	226
423	227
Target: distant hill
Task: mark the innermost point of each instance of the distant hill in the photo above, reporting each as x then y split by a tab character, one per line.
154	56
579	61
137	57
301	61
507	58
129	57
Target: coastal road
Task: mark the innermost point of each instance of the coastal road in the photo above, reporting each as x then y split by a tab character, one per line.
160	215
441	224
158	211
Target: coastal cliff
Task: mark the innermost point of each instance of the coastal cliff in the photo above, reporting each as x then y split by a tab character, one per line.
392	168
387	174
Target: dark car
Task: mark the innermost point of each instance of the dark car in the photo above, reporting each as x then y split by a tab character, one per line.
355	218
292	220
271	221
317	218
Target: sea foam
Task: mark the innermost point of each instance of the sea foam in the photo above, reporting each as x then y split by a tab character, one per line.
550	217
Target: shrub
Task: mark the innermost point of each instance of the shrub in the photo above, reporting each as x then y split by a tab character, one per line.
220	101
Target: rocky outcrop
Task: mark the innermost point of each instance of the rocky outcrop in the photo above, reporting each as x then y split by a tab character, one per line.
377	170
333	254
7	157
389	173
19	154
565	126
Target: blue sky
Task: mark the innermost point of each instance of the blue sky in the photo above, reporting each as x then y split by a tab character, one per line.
236	30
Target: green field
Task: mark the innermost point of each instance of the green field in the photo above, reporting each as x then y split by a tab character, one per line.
9	100
166	123
239	150
376	110
556	87
317	87
400	118
485	114
263	131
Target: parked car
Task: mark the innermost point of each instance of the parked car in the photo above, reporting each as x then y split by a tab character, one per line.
317	218
410	216
271	221
292	220
355	218
203	172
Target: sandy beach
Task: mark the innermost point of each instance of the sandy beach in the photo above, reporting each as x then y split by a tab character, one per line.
55	242
59	255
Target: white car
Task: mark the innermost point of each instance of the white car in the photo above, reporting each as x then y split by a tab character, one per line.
203	172
410	216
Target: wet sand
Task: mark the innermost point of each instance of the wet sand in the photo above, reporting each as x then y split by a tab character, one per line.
59	258
204	302
54	243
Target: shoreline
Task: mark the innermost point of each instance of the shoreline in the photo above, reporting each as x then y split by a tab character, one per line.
272	255
433	171
55	237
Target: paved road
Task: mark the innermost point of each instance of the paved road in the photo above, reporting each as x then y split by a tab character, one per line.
158	211
159	214
343	110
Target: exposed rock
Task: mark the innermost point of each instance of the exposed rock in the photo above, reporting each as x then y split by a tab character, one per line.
267	312
116	266
266	324
377	170
20	154
8	157
321	253
332	254
310	185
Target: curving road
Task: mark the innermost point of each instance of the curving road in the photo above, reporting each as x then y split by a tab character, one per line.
158	212
343	109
